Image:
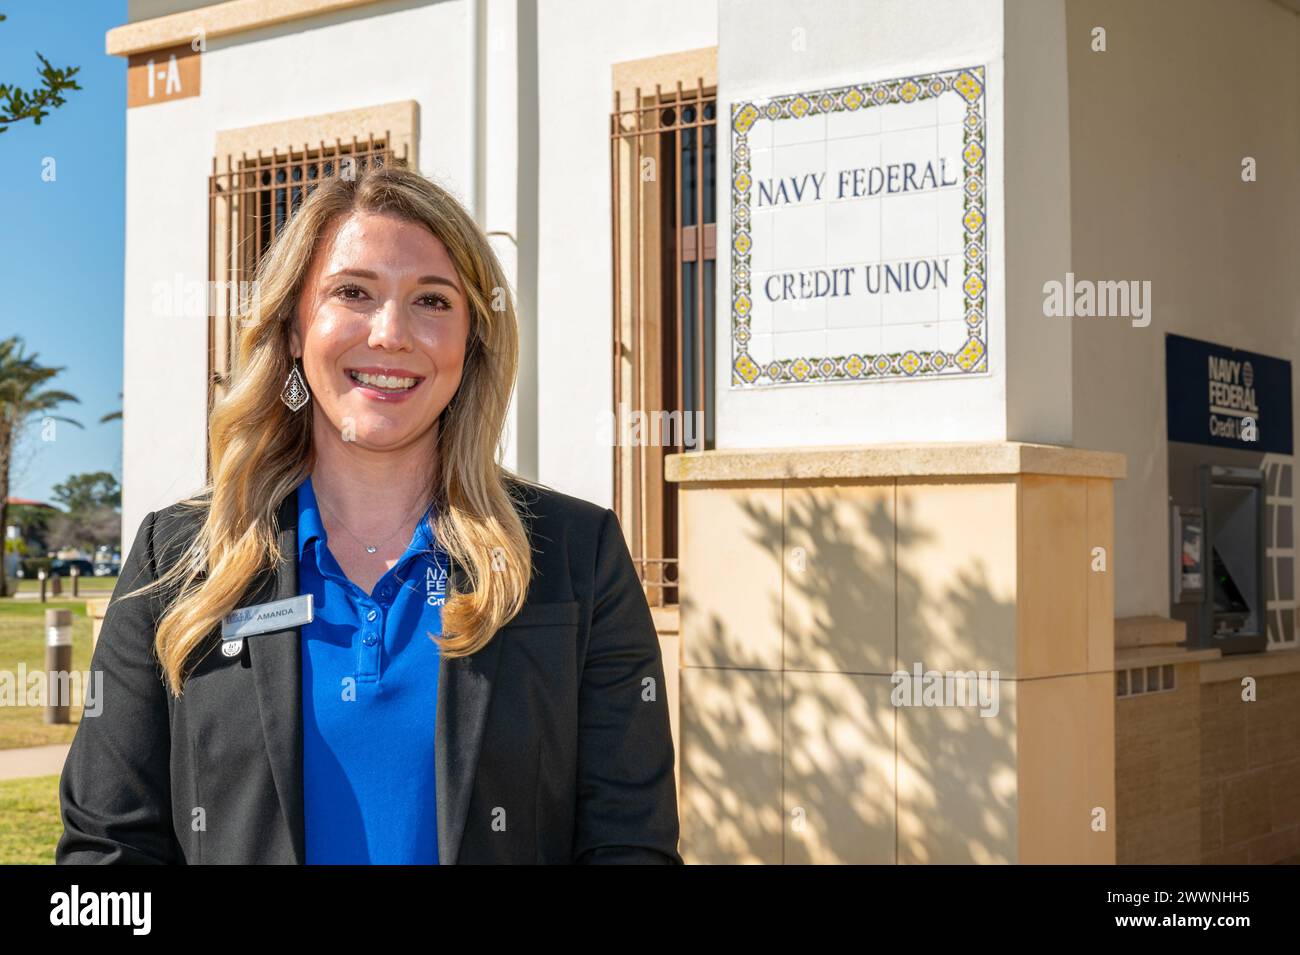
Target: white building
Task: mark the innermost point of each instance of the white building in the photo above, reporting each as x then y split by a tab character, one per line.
1156	143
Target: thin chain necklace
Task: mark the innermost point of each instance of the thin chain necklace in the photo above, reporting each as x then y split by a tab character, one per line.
370	548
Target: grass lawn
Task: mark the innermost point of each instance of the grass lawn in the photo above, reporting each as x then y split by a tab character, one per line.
29	820
30	585
22	640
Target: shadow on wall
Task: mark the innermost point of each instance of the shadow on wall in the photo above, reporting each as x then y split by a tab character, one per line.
845	775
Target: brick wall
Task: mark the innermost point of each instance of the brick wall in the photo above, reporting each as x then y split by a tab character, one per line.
1250	771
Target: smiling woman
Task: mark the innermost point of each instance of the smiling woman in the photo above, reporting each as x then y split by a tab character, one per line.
423	657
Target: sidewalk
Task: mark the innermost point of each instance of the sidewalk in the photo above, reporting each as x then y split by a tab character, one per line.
33	761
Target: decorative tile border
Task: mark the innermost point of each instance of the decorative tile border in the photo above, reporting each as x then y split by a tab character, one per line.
972	357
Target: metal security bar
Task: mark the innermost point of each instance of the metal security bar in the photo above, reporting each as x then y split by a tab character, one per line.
662	165
249	204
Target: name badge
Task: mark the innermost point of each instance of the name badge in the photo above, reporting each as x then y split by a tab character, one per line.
260	618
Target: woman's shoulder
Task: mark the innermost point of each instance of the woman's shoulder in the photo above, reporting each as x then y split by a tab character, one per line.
172	528
544	503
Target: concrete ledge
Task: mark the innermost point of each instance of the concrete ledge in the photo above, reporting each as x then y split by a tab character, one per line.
1238	665
667	619
1146	631
890	460
1154	656
218	19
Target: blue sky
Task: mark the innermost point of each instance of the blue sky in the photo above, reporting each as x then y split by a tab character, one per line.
61	242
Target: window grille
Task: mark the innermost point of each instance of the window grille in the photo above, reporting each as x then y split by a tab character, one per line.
663	158
249	203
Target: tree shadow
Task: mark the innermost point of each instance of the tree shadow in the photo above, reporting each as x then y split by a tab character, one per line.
813	761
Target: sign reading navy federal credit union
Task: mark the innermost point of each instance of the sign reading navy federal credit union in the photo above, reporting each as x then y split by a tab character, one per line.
860	231
1227	397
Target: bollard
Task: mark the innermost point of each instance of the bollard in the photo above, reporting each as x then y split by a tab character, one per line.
76	576
41	576
56	585
58	664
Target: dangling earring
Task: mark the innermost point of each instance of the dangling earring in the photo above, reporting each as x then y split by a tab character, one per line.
295	393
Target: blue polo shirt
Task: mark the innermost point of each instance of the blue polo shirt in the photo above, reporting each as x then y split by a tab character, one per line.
369	700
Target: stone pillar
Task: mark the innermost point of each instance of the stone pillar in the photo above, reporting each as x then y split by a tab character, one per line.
811	576
96	610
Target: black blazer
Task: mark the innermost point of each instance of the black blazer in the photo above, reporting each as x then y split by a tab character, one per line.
561	720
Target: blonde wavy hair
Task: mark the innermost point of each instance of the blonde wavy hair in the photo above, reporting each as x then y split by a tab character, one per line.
260	451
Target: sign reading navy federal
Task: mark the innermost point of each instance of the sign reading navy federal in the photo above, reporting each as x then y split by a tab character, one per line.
1227	397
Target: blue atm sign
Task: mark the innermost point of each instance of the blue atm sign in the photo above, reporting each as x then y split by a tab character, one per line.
1227	397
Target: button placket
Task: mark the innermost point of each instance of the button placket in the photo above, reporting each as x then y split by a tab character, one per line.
371	647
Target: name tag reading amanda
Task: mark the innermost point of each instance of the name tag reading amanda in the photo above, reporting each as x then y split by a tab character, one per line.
260	618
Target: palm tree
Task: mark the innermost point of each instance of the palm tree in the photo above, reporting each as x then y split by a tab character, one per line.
21	399
113	415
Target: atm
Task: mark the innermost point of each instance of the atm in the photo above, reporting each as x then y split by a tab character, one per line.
1230	456
1218	560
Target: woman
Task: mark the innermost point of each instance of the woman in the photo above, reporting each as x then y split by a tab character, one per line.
476	677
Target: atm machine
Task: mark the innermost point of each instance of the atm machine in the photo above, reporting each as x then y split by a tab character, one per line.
1218	561
1231	453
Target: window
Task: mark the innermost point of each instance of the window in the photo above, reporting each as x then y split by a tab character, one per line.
249	204
663	163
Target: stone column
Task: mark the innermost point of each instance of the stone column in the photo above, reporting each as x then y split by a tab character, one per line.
812	576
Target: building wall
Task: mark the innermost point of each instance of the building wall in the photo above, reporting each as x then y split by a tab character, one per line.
1158	774
1217	250
786	48
1250	771
1159	125
578	42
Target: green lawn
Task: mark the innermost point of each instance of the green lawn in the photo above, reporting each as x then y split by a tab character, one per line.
22	640
30	585
29	820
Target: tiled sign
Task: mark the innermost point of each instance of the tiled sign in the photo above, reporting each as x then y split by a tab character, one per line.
858	232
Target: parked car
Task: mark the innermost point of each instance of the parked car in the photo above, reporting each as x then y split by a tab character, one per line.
63	567
106	568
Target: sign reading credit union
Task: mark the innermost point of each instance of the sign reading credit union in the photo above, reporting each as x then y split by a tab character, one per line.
859	232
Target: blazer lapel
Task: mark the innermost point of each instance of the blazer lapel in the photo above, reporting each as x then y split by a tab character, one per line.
464	691
276	659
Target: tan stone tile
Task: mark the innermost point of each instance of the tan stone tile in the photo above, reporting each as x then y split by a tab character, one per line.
957	777
1101	585
730	574
957	574
839	577
839	769
730	807
1053	577
1059	791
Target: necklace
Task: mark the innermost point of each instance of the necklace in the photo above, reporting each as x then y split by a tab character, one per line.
370	548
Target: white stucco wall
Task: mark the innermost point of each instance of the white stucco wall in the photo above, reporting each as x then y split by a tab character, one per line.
842	42
578	43
1159	125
